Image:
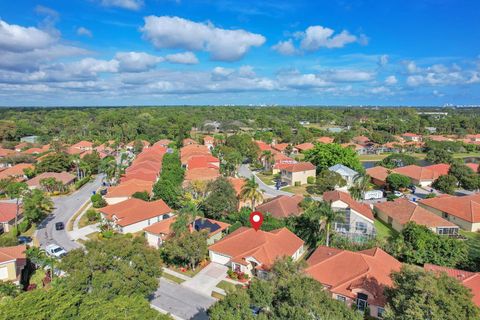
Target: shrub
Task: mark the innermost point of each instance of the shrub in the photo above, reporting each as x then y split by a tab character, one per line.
98	201
24	226
107	234
232	274
80	183
311	180
92	215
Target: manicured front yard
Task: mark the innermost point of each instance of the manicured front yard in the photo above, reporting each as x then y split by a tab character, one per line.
84	221
188	272
217	295
266	178
384	231
228	286
31	231
172	278
300	190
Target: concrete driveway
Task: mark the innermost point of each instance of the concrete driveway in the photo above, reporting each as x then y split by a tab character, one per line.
181	302
207	278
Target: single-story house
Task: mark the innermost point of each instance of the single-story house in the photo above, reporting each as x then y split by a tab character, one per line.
361	140
158	232
464	211
162	143
83	145
325	140
355	278
203	161
17	172
238	184
12	262
357	221
125	190
201	174
192	150
347	174
282	206
280	147
408	136
419	175
297	173
134	215
378	175
254	252
399	212
209	141
8	210
304	147
65	178
471	280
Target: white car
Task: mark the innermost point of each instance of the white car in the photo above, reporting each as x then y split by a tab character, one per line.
56	251
398	194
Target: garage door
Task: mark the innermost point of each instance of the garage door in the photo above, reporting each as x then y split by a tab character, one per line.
219	258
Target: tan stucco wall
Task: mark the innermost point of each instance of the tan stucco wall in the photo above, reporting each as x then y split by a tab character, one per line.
465	225
11	271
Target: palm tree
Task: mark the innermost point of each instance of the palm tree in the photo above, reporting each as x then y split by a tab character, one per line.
316	222
186	216
251	191
361	184
268	158
109	167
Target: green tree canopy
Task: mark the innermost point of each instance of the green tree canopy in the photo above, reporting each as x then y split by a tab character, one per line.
221	199
326	155
417	294
397	160
446	184
439	156
397	181
54	162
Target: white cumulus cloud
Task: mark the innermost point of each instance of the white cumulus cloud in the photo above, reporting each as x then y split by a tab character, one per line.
182	58
316	37
15	38
391	80
82	31
136	61
125	4
222	44
286	48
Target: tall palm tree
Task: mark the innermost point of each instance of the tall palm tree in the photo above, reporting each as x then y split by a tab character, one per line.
361	183
330	216
268	158
186	216
109	167
251	191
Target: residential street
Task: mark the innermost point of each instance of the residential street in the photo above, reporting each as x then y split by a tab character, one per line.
181	301
244	171
65	208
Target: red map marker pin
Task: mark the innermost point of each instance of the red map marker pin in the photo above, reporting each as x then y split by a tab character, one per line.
256	220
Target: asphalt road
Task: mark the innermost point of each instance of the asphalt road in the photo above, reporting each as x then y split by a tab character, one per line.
244	171
65	208
181	301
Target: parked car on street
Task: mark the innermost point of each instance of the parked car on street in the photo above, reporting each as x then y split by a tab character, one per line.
56	251
398	194
24	239
373	194
59	226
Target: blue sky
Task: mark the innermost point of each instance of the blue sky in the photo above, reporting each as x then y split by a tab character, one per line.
155	52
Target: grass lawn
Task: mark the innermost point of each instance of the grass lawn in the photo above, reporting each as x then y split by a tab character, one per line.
228	286
172	278
466	155
31	231
37	277
473	242
266	178
300	190
384	231
217	295
93	235
85	222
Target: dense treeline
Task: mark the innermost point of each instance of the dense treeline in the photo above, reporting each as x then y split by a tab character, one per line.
153	123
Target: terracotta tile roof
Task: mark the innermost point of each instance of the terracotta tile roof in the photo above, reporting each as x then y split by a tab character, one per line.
325	140
12	253
362	140
440	169
299	167
145	165
409	134
402	211
164	227
73	150
263	146
22	145
465	207
417	173
265	247
33	151
281	158
237	184
305	146
162	143
82	145
15	171
208	139
6	152
129	187
203	161
344	197
134	210
202	174
473	166
343	271
280	146
470	280
192	150
63	177
438	138
282	206
8	211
